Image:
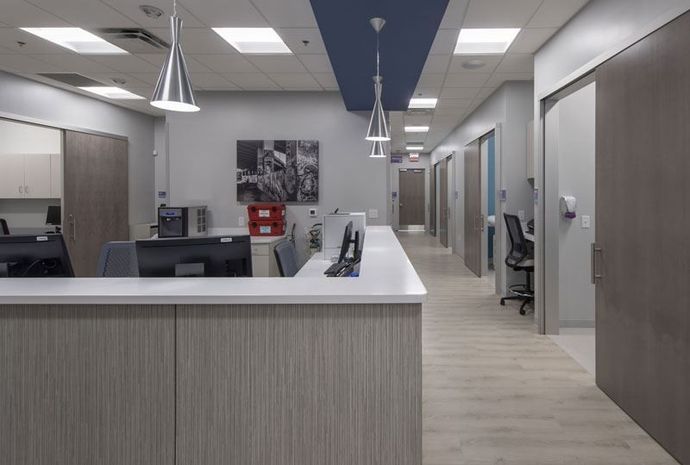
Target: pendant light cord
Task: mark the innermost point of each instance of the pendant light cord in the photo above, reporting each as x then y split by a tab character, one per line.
174	7
378	73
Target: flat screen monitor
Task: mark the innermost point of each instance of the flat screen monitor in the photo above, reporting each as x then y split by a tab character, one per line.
210	257
347	240
54	215
42	256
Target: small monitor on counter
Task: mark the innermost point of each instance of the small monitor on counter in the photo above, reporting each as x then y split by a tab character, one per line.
43	256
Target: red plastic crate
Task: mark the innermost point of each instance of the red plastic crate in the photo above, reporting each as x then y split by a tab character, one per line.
267	228
266	211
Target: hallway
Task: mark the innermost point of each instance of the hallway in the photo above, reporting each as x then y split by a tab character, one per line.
496	393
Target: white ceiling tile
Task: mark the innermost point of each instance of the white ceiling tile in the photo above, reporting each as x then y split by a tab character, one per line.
157	61
19	13
490	63
531	39
499	78
281	13
516	63
148	78
277	63
466	79
455	14
436	64
431	80
500	13
317	63
222	13
456	102
130	8
27	65
251	81
327	80
127	63
459	92
444	43
130	80
295	81
450	111
294	38
555	13
74	63
197	40
210	81
483	95
230	63
417	120
86	14
429	92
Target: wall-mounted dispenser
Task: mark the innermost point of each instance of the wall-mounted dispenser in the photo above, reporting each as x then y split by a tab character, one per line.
568	207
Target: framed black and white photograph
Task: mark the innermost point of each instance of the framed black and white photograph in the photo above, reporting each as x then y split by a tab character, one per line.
278	171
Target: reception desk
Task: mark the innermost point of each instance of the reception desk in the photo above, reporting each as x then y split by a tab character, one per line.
253	371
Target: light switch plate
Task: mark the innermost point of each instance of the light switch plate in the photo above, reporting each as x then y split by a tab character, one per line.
586	222
313	212
240	221
373	213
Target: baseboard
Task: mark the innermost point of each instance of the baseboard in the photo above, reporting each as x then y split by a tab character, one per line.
577	323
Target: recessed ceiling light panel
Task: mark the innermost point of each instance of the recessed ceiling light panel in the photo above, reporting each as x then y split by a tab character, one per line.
253	40
423	103
76	39
114	93
416	128
485	41
414	148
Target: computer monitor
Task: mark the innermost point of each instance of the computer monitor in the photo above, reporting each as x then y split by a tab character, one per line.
221	257
347	240
54	215
34	257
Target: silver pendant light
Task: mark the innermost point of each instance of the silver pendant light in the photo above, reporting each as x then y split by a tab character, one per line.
174	88
378	126
378	149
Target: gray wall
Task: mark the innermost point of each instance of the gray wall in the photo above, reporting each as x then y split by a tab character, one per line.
24	98
423	163
510	107
202	153
570	154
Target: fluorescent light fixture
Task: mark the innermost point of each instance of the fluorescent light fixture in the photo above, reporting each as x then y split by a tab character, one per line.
485	41
76	39
114	93
423	103
253	40
416	128
414	148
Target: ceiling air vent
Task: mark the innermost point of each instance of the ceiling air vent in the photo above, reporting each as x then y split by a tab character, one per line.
134	40
72	79
420	111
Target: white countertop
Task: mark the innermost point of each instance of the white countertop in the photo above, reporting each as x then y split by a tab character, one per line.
386	276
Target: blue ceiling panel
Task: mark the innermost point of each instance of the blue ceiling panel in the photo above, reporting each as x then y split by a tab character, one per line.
406	39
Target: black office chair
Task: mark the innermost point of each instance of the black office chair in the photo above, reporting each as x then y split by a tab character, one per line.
4	229
286	256
520	259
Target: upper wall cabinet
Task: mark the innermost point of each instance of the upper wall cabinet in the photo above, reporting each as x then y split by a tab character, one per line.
30	176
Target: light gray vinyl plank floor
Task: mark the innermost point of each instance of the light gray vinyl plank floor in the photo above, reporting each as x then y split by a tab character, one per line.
497	393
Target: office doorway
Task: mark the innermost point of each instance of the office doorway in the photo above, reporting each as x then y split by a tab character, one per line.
432	201
412	199
443	202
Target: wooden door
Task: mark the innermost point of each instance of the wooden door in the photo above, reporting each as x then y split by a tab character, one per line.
95	197
432	201
643	222
473	208
443	220
412	200
37	176
12	176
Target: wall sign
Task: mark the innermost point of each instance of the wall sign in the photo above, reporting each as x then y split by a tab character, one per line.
396	158
414	158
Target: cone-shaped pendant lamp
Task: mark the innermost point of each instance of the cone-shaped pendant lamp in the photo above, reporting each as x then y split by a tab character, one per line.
378	149
174	91
378	126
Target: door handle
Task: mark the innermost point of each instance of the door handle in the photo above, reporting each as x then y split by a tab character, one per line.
21	190
26	189
595	251
73	224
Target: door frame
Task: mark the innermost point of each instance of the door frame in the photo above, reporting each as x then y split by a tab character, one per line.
415	227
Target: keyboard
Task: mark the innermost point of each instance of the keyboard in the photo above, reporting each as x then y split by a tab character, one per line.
336	268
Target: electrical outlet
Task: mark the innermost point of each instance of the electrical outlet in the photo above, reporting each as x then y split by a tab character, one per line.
240	221
373	213
586	222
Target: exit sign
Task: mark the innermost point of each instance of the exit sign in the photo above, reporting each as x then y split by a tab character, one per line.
414	157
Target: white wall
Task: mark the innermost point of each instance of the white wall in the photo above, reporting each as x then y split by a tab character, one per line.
510	108
203	146
23	98
570	152
394	171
